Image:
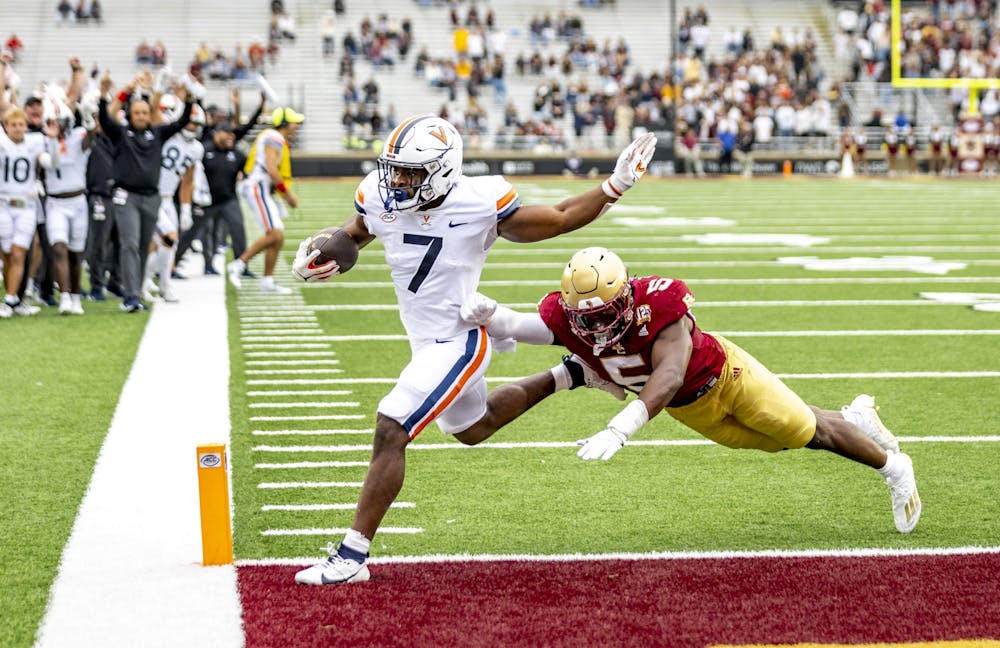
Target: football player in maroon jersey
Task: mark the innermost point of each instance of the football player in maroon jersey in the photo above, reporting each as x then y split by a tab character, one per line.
640	335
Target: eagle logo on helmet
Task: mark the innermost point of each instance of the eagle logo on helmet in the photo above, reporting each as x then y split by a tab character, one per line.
421	161
596	296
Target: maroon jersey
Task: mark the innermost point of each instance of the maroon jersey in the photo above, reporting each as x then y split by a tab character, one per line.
657	303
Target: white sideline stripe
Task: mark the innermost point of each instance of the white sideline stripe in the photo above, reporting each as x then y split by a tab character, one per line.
572	444
303	392
326	432
325	507
324	417
653	555
312	464
309	485
131	571
278	318
305	404
923	279
264	372
341	531
291	363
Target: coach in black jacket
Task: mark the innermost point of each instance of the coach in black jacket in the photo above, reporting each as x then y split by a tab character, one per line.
137	157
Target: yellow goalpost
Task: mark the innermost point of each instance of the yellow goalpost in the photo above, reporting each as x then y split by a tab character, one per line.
974	85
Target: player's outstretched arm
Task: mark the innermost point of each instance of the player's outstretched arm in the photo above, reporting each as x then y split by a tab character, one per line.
503	323
671	354
538	222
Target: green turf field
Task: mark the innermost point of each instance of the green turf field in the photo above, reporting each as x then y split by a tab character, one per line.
62	378
292	494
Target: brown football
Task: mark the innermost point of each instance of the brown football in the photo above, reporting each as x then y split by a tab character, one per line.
334	243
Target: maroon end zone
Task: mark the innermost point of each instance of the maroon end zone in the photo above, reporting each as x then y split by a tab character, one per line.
683	602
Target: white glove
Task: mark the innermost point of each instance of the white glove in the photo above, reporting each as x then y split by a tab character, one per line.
304	269
478	309
187	222
196	89
162	80
602	445
631	165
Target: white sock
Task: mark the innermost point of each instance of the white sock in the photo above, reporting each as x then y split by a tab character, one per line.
11	300
354	540
562	377
239	264
75	299
165	259
64	298
890	467
266	281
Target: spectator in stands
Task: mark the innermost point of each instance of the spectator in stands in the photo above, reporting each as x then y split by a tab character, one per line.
327	31
64	12
744	147
159	53
689	150
143	53
285	26
96	11
14	46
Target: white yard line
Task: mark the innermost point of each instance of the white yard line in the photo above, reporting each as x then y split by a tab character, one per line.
326	432
325	507
652	555
304	405
334	532
572	444
311	464
303	392
131	571
781	303
325	417
290	485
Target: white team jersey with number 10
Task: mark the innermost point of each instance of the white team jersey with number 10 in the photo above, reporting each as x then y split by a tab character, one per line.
19	165
178	155
71	174
436	256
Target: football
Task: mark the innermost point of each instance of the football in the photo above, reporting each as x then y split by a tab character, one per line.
334	243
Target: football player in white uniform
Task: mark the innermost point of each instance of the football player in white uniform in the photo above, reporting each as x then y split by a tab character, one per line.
437	228
180	153
67	219
268	170
21	153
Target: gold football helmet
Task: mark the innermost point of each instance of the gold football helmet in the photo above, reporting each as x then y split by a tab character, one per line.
597	296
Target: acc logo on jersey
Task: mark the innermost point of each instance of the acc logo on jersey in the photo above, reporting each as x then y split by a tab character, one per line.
387	216
688	300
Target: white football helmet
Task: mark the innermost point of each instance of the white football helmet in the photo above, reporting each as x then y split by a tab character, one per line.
597	296
198	120
57	111
421	143
170	107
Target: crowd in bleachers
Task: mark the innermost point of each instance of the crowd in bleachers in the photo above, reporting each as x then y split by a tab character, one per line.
84	12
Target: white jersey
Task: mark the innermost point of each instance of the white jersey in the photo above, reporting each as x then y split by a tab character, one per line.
436	256
19	165
269	138
179	155
71	174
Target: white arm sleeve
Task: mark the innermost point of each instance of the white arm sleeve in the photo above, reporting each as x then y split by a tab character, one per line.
523	327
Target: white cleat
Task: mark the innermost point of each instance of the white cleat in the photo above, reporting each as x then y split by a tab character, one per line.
65	307
906	505
25	309
342	566
863	413
6	312
584	376
169	296
275	289
235	272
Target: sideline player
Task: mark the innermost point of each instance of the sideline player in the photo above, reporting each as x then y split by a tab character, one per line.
268	169
179	155
21	153
437	228
640	334
66	212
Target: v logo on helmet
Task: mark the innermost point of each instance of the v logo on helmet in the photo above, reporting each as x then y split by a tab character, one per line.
441	135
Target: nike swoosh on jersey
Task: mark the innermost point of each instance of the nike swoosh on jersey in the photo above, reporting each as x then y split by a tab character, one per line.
454	224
